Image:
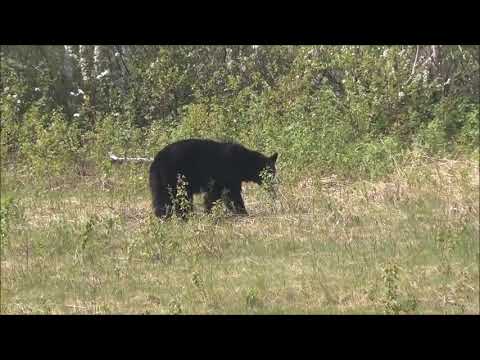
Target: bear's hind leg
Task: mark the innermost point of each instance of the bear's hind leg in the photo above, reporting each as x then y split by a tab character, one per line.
211	196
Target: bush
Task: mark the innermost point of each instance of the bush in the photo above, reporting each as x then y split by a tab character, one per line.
49	145
352	110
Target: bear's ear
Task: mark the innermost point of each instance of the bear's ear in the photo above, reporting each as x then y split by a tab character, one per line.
273	158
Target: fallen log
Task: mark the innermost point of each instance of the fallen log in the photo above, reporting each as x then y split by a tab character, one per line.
121	160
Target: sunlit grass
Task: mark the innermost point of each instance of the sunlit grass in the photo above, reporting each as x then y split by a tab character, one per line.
405	244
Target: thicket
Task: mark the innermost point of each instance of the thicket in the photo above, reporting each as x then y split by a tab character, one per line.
350	110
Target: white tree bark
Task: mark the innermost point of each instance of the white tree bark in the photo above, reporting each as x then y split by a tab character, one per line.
100	61
87	68
120	53
68	61
415	61
86	62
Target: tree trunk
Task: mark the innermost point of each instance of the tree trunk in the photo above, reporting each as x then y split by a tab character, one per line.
86	61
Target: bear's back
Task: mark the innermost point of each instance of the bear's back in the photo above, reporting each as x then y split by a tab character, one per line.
197	150
200	161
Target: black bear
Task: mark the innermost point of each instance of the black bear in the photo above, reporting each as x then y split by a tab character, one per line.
211	167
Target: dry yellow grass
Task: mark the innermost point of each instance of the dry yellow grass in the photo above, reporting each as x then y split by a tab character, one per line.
406	244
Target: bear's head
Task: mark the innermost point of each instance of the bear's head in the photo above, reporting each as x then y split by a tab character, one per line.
266	169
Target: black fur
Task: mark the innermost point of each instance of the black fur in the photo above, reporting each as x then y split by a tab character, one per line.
217	169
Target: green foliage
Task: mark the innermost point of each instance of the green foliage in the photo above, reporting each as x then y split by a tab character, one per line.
77	233
351	110
49	145
6	204
180	202
470	134
252	299
390	278
197	123
373	158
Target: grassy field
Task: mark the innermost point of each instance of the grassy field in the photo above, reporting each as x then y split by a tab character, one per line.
408	244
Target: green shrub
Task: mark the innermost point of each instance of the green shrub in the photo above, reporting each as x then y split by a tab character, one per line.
50	145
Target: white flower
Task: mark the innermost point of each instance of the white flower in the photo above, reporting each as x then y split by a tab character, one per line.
116	114
14	96
76	115
18	101
401	94
37	89
80	91
117	54
72	93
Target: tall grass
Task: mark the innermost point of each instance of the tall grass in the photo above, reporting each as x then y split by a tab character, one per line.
404	243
